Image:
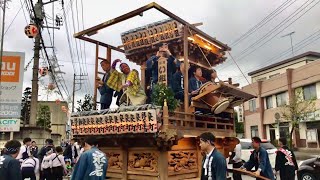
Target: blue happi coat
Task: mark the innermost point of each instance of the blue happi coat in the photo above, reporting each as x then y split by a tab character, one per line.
92	165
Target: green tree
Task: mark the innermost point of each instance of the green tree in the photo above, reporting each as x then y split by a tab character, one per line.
239	125
160	92
25	106
86	104
297	110
44	116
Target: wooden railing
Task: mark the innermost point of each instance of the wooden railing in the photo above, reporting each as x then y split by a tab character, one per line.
190	121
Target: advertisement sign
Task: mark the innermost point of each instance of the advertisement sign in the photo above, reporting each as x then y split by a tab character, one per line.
11	84
9	125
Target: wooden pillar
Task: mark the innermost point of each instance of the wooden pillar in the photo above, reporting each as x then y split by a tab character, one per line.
186	66
163	165
143	75
165	116
109	55
95	77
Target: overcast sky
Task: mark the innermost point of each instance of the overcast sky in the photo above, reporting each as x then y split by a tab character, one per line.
226	20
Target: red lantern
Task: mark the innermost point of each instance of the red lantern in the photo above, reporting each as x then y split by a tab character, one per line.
31	30
43	71
57	101
51	86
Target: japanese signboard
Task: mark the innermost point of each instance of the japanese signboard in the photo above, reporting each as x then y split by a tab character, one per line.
116	123
11	84
9	125
151	34
162	70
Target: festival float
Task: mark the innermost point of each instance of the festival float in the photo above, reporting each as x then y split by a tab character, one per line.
153	141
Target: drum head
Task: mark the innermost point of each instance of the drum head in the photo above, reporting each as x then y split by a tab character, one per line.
203	87
220	106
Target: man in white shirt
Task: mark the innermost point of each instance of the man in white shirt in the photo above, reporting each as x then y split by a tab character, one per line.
30	167
236	161
24	150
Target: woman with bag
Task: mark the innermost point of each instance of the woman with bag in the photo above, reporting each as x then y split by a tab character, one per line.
30	167
58	165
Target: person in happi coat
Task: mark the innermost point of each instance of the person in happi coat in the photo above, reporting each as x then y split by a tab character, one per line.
9	165
259	160
214	165
286	161
106	93
127	81
92	164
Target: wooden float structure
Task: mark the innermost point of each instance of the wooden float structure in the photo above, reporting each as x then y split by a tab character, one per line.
149	142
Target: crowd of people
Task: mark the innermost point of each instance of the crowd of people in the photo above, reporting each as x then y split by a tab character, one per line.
18	162
214	165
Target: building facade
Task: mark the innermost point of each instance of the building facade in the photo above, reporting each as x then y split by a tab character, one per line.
274	85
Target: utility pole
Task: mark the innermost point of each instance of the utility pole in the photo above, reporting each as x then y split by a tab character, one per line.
2	34
290	34
74	86
38	19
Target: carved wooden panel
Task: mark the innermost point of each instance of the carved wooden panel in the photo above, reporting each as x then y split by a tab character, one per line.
143	161
182	161
114	159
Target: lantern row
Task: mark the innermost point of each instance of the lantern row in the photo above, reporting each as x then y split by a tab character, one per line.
116	123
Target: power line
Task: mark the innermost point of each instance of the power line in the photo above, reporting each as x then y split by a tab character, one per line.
242	57
13	19
262	22
305	42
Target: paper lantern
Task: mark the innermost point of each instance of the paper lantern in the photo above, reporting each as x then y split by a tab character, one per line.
51	86
58	101
31	30
43	71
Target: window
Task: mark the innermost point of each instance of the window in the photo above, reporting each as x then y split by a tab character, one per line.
281	99
309	92
254	131
269	102
274	75
252	105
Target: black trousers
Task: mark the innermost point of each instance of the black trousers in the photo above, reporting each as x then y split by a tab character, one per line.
47	174
57	173
236	175
28	172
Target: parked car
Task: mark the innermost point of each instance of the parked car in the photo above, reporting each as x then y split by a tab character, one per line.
247	149
309	169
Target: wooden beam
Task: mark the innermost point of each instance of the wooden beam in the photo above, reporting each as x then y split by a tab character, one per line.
95	77
115	20
186	68
192	27
100	43
109	54
138	11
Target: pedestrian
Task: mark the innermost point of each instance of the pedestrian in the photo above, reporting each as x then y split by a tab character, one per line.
286	161
46	165
30	167
214	165
72	151
24	150
92	164
58	165
9	165
236	161
260	160
42	153
34	149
